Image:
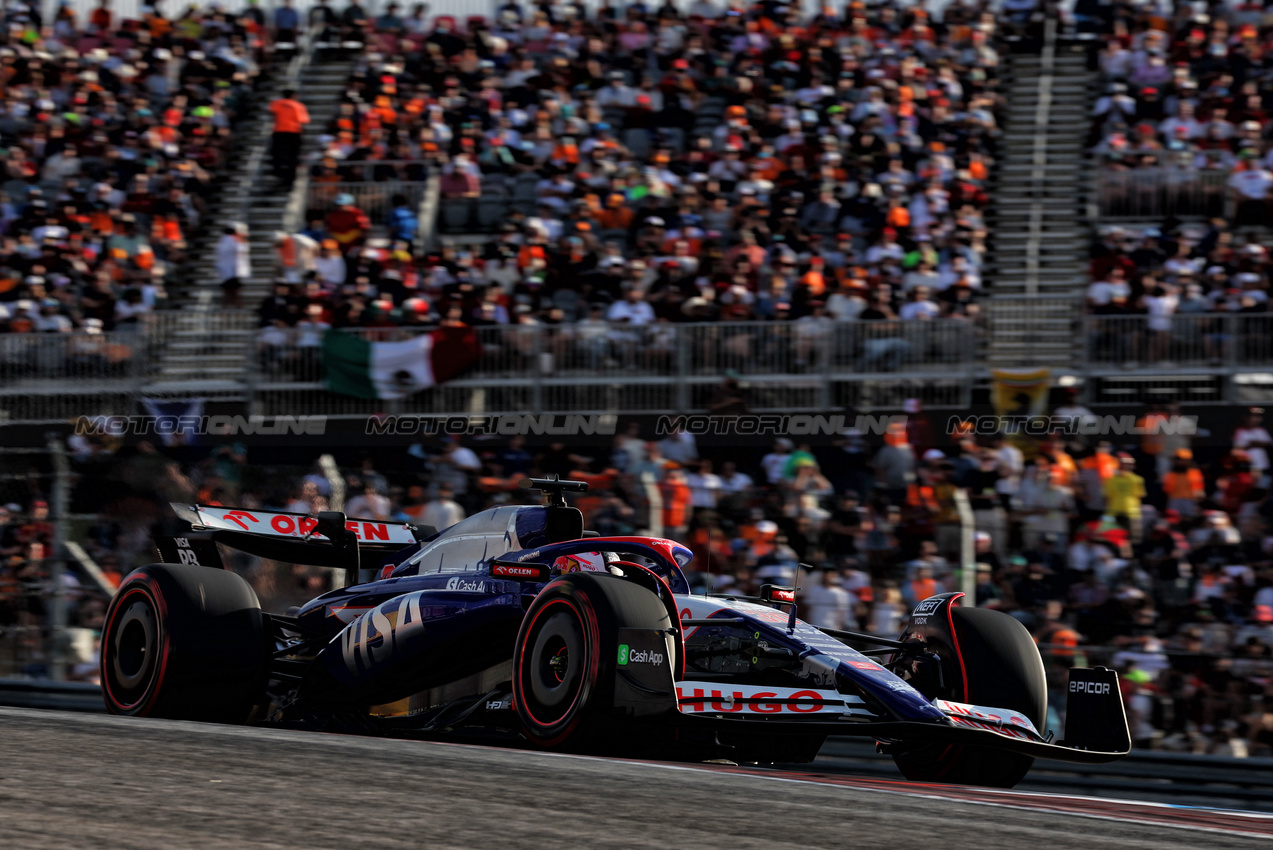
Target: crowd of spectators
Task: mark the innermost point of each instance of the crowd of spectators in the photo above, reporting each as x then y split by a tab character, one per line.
112	132
842	174
1187	96
1168	279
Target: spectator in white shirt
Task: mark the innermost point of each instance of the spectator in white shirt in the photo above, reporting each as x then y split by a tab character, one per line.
827	604
1252	438
1250	187
1161	305
776	461
1101	292
920	306
705	485
442	511
369	505
679	446
733	481
630	312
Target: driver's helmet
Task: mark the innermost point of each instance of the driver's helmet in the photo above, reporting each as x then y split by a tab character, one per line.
580	562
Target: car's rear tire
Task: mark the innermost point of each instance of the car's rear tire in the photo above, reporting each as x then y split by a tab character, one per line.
184	643
1003	669
566	655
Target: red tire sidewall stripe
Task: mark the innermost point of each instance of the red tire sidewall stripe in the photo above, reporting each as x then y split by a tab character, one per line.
587	620
963	672
148	588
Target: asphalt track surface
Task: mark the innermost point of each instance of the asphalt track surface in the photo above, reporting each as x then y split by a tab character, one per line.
79	780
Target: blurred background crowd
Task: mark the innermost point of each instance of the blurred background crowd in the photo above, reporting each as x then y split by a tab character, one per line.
1137	555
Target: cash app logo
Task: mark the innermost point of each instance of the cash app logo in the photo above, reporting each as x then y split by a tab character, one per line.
623	654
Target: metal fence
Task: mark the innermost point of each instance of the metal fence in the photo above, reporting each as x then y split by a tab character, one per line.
51	377
1181	341
1158	191
381	170
603	367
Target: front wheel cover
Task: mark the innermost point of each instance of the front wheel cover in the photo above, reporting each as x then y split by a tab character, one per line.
556	668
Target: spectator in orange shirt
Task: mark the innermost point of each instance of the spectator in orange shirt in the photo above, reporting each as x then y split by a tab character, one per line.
290	118
676	502
1183	484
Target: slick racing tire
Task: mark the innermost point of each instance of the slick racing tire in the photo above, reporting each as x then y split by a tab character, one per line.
185	643
1000	667
566	655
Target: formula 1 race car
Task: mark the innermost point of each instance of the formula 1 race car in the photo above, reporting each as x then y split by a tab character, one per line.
517	622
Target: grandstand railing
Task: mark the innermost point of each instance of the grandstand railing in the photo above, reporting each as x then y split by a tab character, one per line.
50	377
1201	341
663	367
364	170
1158	191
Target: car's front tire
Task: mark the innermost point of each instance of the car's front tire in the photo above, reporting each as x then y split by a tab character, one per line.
1001	667
566	656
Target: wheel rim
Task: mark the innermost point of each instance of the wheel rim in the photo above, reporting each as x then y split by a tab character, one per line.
134	650
556	666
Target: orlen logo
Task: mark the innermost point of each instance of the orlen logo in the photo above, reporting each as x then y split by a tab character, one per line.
783	595
1089	687
511	571
237	518
462	584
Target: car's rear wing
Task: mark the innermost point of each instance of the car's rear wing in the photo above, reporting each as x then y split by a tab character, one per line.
299	526
328	539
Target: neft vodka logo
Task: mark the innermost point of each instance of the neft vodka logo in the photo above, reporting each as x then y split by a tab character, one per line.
928	606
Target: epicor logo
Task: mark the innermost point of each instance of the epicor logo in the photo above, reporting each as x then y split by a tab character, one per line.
1089	687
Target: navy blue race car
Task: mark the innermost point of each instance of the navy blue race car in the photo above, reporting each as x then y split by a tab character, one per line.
518	623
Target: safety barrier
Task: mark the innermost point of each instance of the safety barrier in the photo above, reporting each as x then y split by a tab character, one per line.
1157	191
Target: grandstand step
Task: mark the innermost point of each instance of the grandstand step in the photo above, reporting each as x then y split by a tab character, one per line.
1048	169
196	386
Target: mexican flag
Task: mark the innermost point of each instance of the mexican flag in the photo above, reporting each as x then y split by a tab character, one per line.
361	368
